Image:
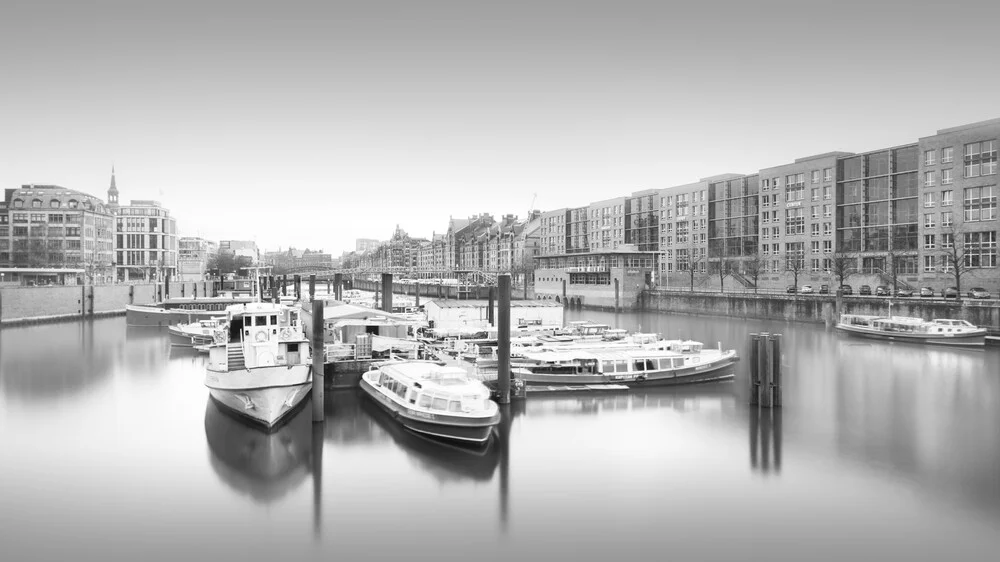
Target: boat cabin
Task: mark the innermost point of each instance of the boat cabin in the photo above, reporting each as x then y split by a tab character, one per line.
444	389
261	335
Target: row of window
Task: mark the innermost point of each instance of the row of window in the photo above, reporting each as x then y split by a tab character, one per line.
54	204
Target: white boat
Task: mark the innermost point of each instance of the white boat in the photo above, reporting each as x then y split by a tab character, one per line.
259	364
433	400
942	331
195	334
670	362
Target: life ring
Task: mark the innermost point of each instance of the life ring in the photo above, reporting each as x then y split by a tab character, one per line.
261	336
285	332
219	336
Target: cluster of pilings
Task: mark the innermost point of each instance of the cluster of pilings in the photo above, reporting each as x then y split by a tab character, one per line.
765	369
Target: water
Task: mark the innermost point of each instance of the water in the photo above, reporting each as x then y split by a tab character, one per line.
112	450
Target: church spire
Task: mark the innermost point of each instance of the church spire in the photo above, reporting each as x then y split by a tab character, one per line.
113	190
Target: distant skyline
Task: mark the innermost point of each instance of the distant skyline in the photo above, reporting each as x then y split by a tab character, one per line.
312	124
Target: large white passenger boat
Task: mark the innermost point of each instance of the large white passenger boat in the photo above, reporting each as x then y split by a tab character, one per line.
259	365
434	400
941	331
671	362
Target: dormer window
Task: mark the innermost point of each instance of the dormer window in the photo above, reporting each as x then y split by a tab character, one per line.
36	203
54	203
18	204
73	204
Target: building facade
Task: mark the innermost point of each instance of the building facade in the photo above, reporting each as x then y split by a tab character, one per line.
51	234
958	206
145	242
192	258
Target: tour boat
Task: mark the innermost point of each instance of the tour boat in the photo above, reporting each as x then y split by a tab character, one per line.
180	310
259	363
198	333
434	400
941	331
670	362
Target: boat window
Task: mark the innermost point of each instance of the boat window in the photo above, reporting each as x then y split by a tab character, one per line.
401	390
678	362
609	366
621	366
439	403
639	365
650	364
424	401
293	348
454	406
274	319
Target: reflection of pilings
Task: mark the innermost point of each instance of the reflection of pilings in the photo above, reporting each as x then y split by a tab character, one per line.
503	431
765	437
317	470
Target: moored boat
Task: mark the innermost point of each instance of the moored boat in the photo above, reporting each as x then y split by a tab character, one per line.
434	400
259	363
941	331
180	310
194	334
671	362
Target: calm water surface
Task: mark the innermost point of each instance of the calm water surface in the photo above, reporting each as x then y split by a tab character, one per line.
111	449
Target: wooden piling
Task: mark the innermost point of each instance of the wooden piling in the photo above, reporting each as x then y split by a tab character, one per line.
767	372
312	286
503	340
338	286
298	287
753	355
416	294
284	285
489	308
387	292
776	370
318	352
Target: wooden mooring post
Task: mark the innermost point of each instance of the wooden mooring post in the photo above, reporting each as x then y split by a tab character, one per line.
318	352
764	354
503	340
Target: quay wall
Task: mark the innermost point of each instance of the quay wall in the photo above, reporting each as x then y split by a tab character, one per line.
21	305
818	308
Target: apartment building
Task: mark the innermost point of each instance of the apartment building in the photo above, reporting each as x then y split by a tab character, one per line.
642	220
683	230
958	205
797	220
552	232
607	224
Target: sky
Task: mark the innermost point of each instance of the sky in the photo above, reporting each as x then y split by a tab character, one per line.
311	124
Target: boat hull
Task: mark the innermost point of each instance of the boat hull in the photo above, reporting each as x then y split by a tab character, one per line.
973	339
468	431
685	375
264	395
181	338
150	316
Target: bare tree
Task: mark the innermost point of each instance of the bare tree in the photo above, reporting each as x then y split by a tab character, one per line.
795	263
723	267
958	255
753	266
692	264
843	265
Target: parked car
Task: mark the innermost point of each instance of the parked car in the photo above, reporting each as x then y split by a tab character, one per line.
883	291
979	293
865	290
846	290
904	293
926	292
824	289
950	293
806	289
790	289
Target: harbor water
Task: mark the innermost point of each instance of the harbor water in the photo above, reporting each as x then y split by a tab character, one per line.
112	450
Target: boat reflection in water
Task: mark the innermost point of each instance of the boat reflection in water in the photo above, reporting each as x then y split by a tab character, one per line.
445	461
263	465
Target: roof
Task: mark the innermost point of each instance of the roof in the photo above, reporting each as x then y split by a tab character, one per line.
451	303
337	310
431	375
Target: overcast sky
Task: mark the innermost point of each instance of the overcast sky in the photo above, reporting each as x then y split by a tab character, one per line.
311	124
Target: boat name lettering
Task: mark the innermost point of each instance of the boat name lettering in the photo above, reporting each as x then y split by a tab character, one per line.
422	415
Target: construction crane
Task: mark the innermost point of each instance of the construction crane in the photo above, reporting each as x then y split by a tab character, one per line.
531	208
